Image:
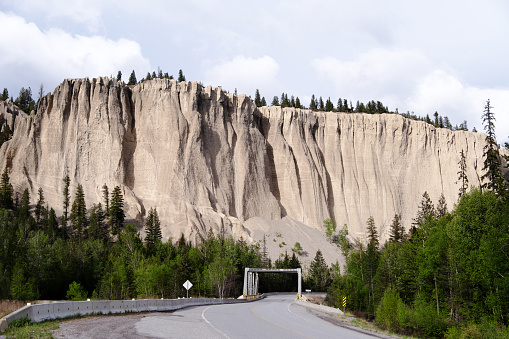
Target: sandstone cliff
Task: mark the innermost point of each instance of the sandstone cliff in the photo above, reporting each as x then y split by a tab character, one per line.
205	158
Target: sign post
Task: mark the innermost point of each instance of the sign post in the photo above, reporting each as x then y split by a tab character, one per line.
344	304
187	285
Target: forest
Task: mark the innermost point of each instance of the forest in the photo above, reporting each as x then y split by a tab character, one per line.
448	275
93	253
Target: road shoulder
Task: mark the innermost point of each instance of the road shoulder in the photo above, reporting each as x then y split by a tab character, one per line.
336	316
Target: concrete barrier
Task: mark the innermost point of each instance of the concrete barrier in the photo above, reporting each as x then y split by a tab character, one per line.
130	306
42	312
63	310
152	305
101	306
117	306
83	307
142	305
22	312
3	325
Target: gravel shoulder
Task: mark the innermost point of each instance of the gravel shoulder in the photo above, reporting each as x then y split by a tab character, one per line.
111	326
337	317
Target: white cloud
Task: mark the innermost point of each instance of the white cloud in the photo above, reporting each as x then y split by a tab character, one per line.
375	74
408	80
245	74
86	12
53	55
445	93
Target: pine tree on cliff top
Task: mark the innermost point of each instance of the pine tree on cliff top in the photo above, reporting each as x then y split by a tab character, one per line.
132	79
181	76
493	178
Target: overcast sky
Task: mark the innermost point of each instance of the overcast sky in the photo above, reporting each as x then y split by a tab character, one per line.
420	56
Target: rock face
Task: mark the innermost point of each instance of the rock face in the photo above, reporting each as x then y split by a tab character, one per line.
208	159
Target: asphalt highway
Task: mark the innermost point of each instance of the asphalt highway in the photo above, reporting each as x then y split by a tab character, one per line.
273	317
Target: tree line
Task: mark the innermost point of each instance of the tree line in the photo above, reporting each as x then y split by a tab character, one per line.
345	106
93	253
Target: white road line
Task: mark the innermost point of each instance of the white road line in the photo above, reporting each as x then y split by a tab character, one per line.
298	316
208	322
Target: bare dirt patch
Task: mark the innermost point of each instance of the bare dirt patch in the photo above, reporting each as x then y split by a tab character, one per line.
9	306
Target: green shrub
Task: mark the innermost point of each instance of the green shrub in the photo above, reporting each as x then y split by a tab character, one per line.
21	322
427	321
387	311
76	292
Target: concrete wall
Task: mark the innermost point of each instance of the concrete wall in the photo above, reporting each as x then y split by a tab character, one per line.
58	310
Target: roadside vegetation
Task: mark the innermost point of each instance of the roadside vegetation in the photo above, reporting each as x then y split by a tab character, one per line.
448	275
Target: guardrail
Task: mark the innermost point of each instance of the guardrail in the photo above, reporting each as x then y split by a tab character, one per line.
58	310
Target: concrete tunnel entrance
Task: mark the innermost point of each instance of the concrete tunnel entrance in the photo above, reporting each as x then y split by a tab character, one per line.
251	279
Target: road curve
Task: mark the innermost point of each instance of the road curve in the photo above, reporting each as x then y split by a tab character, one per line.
273	317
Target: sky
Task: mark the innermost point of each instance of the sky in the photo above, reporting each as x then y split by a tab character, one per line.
448	56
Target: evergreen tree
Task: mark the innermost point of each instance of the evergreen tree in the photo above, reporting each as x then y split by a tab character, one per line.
263	103
39	207
154	75
257	100
462	174
372	233
40	94
319	274
493	178
24	101
148	77
437	124
397	231
329	106
297	103
284	100
275	101
426	209
24	211
96	223
119	76
6	190
181	76
372	261
312	104
78	215
447	123
52	228
132	79
116	214
5	94
340	105
153	228
106	199
321	105
442	206
67	198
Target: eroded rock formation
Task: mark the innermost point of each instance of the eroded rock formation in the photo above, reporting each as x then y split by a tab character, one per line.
205	158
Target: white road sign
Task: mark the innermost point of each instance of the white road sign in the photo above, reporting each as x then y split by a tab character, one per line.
188	285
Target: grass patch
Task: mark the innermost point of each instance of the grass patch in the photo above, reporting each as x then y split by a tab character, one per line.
9	306
24	328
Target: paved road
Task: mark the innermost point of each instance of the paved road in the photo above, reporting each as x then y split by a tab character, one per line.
272	317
